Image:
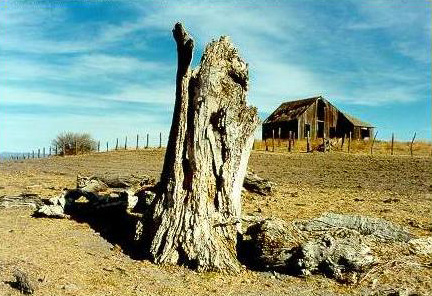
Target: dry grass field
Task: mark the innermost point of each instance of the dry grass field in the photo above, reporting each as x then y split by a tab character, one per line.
66	257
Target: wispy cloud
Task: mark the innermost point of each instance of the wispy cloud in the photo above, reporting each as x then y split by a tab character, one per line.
115	59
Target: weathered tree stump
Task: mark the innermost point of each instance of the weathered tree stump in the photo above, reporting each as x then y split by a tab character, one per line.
197	214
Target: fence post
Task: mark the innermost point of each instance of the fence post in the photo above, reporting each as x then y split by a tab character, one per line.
28	155
273	140
412	142
98	146
56	149
137	142
373	141
392	143
147	143
125	143
116	144
279	137
349	142
49	151
107	146
324	143
38	153
160	140
289	141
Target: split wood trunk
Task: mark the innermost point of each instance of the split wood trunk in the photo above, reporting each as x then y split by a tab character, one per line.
197	213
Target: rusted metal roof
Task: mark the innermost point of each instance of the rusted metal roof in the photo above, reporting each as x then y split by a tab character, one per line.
290	110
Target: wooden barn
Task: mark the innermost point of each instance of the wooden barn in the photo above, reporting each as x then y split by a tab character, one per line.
314	115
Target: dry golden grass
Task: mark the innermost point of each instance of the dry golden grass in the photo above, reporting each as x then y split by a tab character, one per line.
71	258
419	148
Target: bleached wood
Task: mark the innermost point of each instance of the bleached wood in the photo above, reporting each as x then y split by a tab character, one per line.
197	213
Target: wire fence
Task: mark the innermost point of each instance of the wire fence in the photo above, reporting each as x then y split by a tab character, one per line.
138	142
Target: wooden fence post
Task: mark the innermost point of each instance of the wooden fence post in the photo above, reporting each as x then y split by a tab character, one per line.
116	148
43	152
373	141
56	150
33	154
125	146
289	141
107	146
392	143
308	148
349	142
412	142
137	142
38	152
160	140
49	151
98	146
273	141
147	142
28	155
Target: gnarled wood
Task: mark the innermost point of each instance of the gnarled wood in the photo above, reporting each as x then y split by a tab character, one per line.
197	212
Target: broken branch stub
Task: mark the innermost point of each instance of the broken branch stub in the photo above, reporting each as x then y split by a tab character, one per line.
197	214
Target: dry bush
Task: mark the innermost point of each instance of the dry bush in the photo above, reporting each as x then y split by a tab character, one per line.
74	143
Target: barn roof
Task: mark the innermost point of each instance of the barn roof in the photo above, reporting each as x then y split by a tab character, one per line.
291	110
357	122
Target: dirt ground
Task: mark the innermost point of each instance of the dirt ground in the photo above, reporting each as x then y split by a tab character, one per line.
66	257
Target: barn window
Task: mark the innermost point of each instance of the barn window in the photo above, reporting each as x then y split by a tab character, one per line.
306	129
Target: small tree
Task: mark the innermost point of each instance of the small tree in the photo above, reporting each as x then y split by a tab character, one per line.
73	143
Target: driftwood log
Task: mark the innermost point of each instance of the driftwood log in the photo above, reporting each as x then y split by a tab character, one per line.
197	214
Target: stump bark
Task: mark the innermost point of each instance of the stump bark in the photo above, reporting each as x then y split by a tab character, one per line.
197	212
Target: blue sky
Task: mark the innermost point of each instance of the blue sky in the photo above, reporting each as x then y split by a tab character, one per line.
108	68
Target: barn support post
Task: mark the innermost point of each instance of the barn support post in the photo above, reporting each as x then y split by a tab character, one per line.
343	141
349	142
273	140
392	143
279	137
373	141
289	141
308	147
412	142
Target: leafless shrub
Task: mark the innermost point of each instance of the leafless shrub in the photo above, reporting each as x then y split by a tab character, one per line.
74	143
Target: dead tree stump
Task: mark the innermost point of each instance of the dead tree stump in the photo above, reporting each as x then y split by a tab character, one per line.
197	214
